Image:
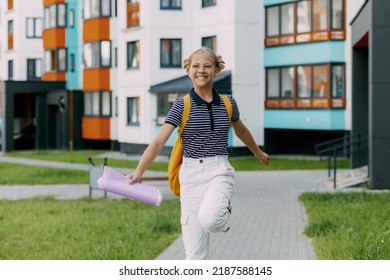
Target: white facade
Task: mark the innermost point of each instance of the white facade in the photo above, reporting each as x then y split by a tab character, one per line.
23	48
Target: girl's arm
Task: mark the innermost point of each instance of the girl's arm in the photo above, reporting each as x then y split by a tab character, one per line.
151	152
246	137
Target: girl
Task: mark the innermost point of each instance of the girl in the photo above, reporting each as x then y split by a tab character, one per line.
206	177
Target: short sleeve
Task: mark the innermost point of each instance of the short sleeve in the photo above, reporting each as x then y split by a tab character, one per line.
175	112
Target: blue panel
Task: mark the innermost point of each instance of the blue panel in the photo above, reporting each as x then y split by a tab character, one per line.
310	53
74	45
274	2
305	119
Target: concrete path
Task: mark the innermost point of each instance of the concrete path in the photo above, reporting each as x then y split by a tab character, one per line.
267	219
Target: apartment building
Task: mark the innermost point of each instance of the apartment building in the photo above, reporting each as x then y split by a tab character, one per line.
104	73
307	61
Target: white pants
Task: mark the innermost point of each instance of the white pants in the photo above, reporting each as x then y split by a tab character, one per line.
205	189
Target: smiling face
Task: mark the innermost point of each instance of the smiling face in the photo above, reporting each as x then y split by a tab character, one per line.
202	70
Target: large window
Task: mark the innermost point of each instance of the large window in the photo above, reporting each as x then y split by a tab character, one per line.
97	103
305	86
170	4
97	54
133	55
133	111
34	28
304	21
97	8
55	60
170	53
210	42
34	69
55	16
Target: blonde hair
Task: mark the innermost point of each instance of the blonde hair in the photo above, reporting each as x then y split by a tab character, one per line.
218	61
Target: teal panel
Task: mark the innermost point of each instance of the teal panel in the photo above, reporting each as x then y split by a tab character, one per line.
275	2
305	119
74	45
310	53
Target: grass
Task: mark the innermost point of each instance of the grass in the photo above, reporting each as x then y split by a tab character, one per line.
49	229
19	174
349	226
240	164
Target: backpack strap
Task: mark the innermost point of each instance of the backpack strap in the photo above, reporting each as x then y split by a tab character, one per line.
228	105
186	113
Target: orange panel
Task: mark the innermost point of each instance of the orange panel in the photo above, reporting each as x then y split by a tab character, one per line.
10	41
10	4
96	29
54	38
50	2
54	76
96	128
96	79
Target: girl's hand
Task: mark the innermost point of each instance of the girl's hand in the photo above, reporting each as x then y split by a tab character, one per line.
134	178
264	158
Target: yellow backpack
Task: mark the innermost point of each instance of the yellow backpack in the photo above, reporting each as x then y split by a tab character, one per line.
176	157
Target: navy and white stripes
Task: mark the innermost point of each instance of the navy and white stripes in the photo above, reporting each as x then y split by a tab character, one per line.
206	131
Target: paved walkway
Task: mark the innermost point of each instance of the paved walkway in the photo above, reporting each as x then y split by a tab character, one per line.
267	220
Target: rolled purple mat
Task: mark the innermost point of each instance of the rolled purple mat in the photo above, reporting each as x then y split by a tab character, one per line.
115	182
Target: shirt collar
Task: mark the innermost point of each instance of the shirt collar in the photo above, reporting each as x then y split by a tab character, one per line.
200	101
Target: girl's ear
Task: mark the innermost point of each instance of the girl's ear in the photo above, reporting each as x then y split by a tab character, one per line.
216	71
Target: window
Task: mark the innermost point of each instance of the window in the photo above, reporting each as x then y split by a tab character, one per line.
55	60
208	3
272	15
71	18
210	42
320	81
132	13
320	15
337	14
71	62
287	82
273	84
97	54
164	103
304	21
55	16
133	111
337	81
170	53
303	16
280	82
34	28
306	86
304	81
97	8
133	55
10	70
287	20
97	103
34	69
10	27
170	4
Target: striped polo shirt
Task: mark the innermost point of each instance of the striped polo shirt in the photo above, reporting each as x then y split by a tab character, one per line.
206	131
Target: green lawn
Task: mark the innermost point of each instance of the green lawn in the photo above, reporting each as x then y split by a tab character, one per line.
98	229
349	226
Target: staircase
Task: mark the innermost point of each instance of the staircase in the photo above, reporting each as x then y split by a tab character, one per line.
351	178
353	146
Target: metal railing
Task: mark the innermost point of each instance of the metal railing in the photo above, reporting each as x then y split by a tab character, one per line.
353	145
